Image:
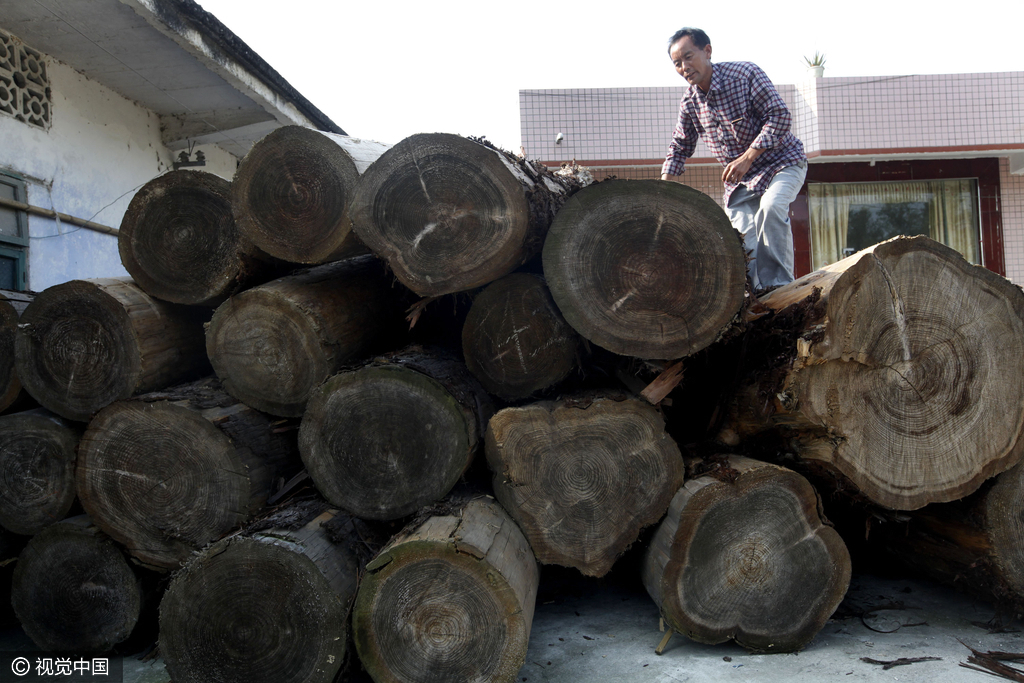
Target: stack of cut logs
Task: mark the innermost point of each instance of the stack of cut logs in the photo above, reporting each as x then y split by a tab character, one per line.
585	360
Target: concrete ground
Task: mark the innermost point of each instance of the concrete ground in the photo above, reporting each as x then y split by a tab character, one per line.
591	631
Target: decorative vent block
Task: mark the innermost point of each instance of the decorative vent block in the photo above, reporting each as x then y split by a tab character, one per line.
24	83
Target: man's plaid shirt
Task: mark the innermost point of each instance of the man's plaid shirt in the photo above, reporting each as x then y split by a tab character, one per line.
741	109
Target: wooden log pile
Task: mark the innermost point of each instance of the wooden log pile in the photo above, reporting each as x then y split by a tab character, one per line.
350	489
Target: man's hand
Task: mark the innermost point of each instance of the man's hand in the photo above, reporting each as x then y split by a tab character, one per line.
738	167
673	178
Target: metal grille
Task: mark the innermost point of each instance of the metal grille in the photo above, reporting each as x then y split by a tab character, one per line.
24	82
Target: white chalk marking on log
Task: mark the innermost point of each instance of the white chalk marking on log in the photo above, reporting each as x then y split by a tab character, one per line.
623	300
430	227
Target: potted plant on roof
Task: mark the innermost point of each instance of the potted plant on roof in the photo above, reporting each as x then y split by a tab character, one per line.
816	64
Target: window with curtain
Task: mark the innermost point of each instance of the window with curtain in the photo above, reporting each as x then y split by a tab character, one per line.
847	217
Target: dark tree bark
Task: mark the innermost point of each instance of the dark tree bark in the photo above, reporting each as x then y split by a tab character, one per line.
449	214
515	341
292	193
84	344
895	372
743	555
384	440
11	306
975	544
646	268
450	599
583	476
37	470
167	473
74	591
264	606
179	241
272	344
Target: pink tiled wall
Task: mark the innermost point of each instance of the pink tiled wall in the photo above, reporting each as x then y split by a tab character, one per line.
1012	209
902	112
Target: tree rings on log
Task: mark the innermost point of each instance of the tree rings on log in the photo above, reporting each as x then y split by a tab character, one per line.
449	214
271	345
179	242
74	591
906	379
515	340
37	470
645	268
743	555
452	599
168	477
385	440
266	607
84	344
292	192
583	476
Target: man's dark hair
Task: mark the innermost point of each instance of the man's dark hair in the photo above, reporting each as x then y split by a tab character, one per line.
699	38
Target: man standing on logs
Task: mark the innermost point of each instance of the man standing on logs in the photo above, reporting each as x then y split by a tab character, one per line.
746	125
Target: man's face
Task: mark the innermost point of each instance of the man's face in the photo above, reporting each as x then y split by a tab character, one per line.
691	62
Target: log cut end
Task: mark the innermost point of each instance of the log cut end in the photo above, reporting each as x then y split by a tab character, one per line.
273	344
916	380
267	352
446	213
646	268
515	340
76	351
747	560
583	477
383	441
291	195
178	239
269	607
162	480
451	601
74	591
37	470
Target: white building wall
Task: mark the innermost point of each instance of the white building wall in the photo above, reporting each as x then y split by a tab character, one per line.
100	149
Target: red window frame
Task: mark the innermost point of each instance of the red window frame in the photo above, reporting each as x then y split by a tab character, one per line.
985	170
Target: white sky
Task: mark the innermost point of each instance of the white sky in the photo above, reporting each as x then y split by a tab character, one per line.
387	69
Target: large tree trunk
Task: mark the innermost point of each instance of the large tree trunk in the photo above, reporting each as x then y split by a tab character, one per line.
384	440
450	599
37	470
896	371
167	473
448	213
292	193
583	476
646	268
74	590
273	344
179	242
515	341
264	606
11	306
975	544
743	555
84	344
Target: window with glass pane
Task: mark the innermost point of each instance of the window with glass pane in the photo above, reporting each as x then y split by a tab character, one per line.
13	235
848	217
